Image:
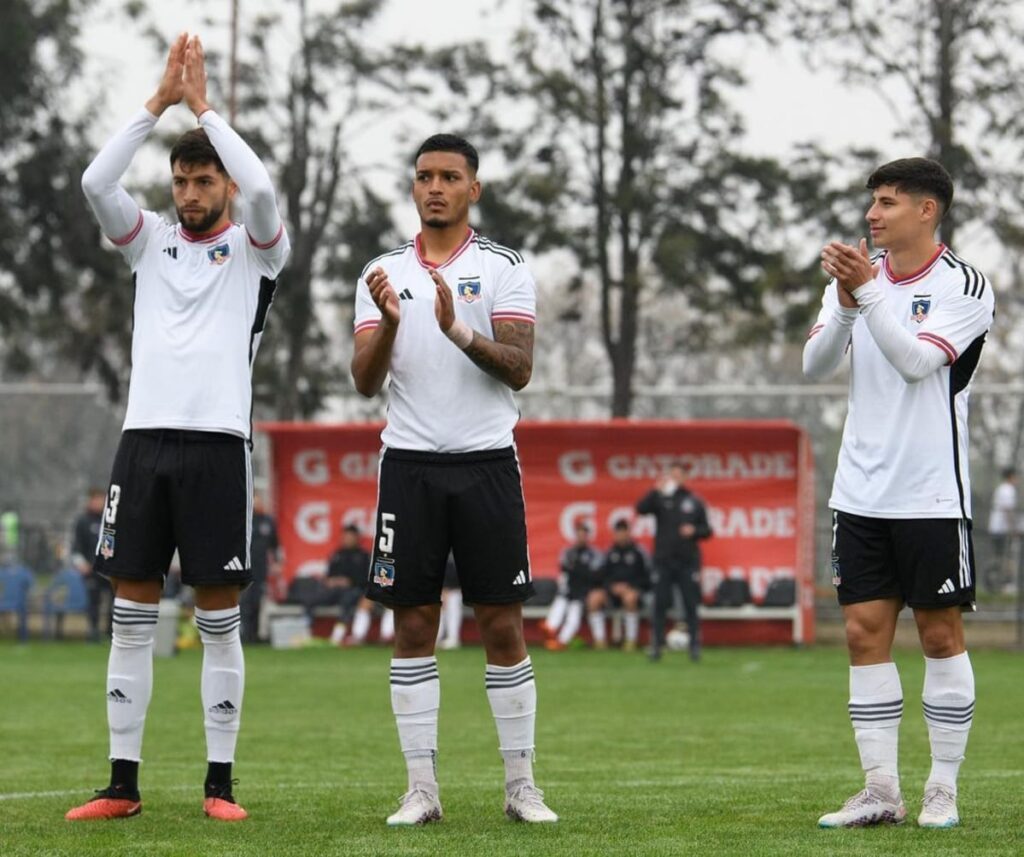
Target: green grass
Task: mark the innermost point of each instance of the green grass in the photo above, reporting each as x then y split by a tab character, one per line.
738	755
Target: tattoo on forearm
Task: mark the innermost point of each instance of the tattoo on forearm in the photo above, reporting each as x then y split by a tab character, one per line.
509	356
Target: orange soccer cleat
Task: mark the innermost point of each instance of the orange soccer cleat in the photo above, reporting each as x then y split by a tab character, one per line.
108	803
220	804
555	645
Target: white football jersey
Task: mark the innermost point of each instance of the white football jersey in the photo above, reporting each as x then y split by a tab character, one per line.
904	452
440	401
200	308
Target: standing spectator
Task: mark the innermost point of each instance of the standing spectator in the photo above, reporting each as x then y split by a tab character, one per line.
682	522
347	571
624	576
1002	527
265	557
450	633
85	535
581	567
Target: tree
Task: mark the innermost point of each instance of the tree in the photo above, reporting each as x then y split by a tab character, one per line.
64	300
951	73
614	120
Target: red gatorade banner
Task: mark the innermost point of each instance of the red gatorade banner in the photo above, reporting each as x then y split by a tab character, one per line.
755	478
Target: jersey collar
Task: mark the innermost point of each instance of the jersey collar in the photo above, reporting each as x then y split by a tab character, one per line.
919	274
196	238
470	235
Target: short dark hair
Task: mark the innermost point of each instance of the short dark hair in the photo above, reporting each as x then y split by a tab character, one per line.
450	143
352	528
194	148
1009	472
621	524
916	175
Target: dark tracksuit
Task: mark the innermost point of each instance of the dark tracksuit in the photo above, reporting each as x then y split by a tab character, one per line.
84	538
353	563
676	558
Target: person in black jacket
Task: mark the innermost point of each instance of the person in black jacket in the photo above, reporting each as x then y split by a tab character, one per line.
85	535
682	522
347	571
624	577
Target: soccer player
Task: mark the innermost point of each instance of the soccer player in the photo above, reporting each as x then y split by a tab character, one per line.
913	319
580	567
624	577
450	316
182	476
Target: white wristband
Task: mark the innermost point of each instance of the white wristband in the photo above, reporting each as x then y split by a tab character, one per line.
460	333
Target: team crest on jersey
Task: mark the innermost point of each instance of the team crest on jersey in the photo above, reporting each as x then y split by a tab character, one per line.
919	308
107	544
469	289
384	572
220	254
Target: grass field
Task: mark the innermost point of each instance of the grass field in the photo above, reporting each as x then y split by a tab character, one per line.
736	756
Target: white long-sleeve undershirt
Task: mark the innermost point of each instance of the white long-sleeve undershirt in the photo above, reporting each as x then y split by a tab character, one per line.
913	358
826	346
118	214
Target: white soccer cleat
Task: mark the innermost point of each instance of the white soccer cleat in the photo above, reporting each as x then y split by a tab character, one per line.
526	803
866	809
938	809
416	807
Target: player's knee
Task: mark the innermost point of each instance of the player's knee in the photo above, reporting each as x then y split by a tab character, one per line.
940	641
502	633
863	638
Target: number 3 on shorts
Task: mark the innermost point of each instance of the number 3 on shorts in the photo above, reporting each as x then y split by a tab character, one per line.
387	533
115	498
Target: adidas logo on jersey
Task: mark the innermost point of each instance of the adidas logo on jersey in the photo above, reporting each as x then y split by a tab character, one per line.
234	565
947	587
224	707
117	695
172	252
405	295
520	579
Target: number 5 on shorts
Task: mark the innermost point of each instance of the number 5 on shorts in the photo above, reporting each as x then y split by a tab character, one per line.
387	533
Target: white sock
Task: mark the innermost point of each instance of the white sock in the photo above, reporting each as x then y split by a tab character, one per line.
387	625
597	629
223	681
453	616
415	700
360	626
512	693
130	676
948	701
573	617
876	707
556	613
632	627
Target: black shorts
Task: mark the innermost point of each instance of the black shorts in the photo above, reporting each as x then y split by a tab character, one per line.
468	503
186	490
925	562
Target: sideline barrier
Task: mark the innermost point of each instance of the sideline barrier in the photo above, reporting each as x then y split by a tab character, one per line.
756	478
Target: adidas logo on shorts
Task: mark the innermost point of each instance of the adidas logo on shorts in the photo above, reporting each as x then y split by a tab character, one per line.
947	587
520	579
234	565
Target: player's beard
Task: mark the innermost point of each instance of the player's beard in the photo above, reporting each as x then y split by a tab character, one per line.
205	222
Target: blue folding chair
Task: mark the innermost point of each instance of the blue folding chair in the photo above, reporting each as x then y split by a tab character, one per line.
15	583
65	594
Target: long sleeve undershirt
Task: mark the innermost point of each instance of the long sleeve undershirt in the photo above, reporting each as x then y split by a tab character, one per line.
119	214
913	358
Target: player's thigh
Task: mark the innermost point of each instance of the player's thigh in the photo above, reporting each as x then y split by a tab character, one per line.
136	539
597	599
625	595
410	545
212	506
487	526
864	564
935	560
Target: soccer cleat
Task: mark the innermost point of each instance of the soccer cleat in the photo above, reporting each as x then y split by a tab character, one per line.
866	809
554	645
220	803
417	807
526	803
938	809
108	803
